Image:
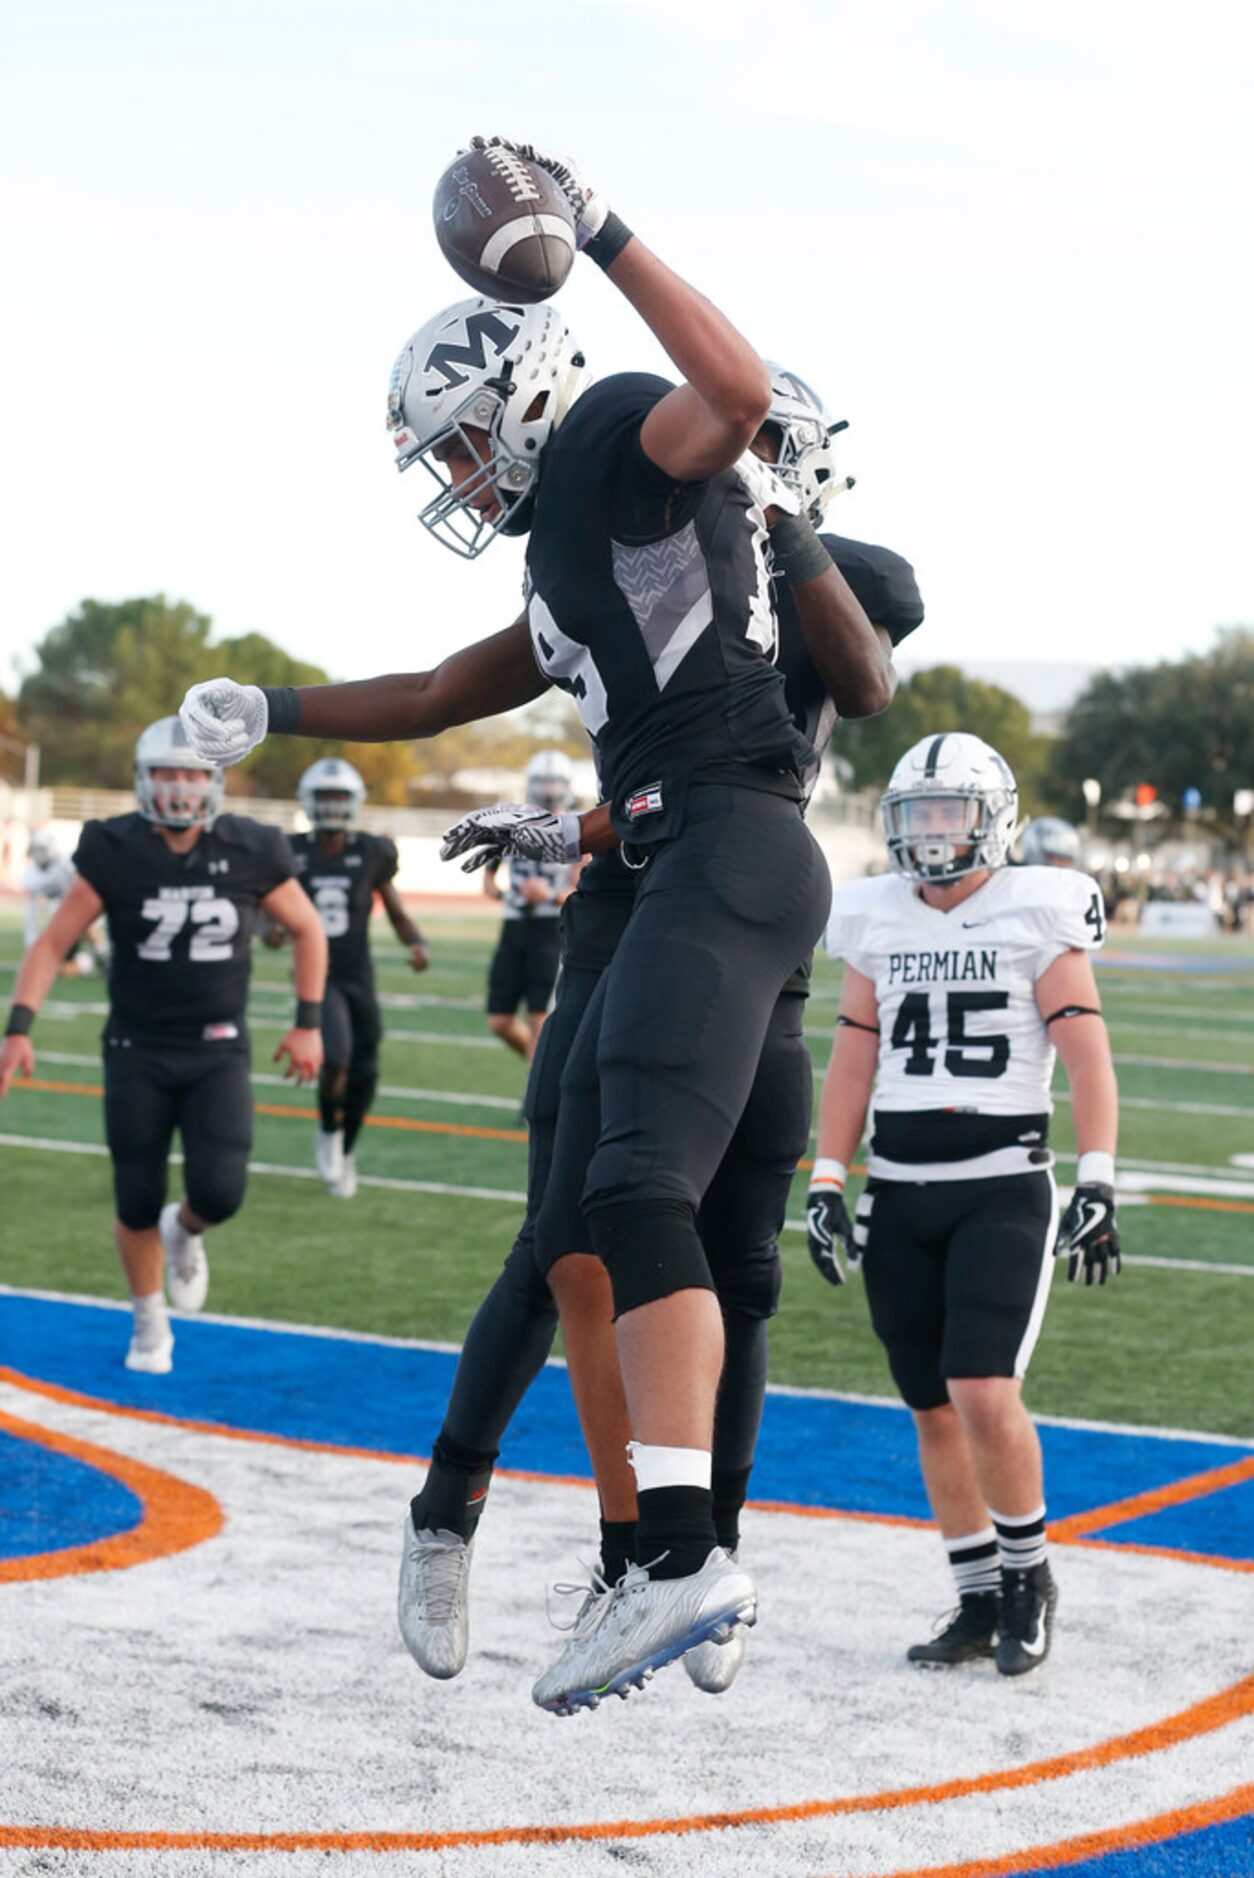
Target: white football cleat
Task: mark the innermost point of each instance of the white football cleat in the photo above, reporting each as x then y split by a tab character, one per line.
152	1345
186	1267
346	1186
432	1600
713	1666
329	1157
646	1623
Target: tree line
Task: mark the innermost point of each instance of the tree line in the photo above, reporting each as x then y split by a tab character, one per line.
109	668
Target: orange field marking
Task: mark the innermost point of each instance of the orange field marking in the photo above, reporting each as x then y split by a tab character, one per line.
1154	1500
291	1112
1199	1204
1229	1806
1204	1717
176	1515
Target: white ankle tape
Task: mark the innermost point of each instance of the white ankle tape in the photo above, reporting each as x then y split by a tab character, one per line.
668	1467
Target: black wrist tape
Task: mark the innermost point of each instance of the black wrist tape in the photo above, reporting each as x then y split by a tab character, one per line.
283	703
796	550
609	241
21	1017
309	1013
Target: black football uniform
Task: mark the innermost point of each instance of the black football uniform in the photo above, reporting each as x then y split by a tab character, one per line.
524	965
175	1042
342	887
650	601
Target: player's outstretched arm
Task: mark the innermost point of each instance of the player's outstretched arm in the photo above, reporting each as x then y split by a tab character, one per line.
703	425
842	1117
225	720
852	657
79	906
302	1046
404	928
1068	1001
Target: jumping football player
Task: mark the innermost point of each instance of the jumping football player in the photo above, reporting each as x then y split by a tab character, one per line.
229	720
963	976
341	868
524	965
180	886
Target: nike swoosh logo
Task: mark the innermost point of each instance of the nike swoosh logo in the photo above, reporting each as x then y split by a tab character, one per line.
1094	1214
1035	1646
969	923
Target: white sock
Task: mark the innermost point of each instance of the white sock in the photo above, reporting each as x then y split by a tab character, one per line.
668	1467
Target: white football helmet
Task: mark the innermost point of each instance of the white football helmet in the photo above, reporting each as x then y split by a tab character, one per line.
331	793
550	780
484	364
1050	842
806	461
43	849
951	807
184	804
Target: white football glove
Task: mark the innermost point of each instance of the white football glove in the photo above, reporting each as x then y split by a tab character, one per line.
768	489
517	829
590	209
223	720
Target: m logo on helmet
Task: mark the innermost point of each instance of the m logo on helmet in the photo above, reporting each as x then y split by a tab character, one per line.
482	330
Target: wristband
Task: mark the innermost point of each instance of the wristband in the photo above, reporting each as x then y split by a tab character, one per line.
283	704
609	241
1096	1168
796	550
572	835
829	1173
21	1017
309	1013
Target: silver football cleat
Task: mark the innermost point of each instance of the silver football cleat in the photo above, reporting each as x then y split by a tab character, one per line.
433	1597
186	1267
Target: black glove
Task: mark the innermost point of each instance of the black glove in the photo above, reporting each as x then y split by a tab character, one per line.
827	1225
1088	1236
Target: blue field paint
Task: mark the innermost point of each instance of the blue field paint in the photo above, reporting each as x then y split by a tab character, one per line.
1221	1524
51	1502
1215	1852
814	1451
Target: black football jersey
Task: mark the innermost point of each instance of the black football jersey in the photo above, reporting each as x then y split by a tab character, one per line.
885	586
180	925
342	888
650	602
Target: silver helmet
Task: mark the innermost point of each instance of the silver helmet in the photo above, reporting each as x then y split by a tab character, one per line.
550	780
511	372
806	460
1050	842
950	808
188	802
331	792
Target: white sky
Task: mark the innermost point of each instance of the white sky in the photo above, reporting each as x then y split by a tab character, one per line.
1011	243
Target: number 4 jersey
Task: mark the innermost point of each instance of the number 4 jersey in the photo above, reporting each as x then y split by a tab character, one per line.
965	1059
180	925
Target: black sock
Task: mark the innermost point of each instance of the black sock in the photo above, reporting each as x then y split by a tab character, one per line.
331	1100
455	1491
357	1099
731	1486
618	1547
675	1530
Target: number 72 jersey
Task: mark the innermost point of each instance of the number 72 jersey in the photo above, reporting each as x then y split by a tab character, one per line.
959	1024
180	925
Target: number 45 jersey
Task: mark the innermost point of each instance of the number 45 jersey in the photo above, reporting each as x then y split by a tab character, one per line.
965	1058
180	925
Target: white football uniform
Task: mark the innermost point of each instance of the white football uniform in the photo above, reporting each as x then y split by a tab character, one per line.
960	1033
44	880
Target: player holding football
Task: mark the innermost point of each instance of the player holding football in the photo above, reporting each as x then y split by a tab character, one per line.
828	653
180	886
524	965
341	869
963	976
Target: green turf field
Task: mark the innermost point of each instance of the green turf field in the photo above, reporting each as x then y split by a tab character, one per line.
1164	1346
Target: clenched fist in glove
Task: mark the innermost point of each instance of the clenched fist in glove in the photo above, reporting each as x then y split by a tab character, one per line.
828	1225
516	829
1088	1237
224	721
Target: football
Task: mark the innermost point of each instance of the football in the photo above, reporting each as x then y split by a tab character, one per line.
504	225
